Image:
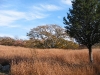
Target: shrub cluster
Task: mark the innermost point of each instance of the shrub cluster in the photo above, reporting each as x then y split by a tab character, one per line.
59	43
8	41
65	44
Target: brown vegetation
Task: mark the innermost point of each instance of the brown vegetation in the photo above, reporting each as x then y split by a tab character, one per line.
34	43
25	61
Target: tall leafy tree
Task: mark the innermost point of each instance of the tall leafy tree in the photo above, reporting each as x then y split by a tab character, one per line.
83	23
49	34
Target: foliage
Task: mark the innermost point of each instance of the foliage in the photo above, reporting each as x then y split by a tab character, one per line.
19	42
7	41
34	44
11	42
83	23
59	43
65	44
48	34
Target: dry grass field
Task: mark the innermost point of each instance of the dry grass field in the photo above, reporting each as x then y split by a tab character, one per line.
25	61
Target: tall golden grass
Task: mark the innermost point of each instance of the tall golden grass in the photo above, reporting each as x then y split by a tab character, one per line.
25	61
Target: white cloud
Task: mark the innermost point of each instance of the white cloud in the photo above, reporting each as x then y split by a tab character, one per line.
68	2
46	7
35	15
50	7
7	17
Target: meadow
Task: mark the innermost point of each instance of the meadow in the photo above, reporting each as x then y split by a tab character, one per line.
26	61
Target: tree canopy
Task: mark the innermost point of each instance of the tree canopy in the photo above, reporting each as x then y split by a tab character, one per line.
48	34
83	23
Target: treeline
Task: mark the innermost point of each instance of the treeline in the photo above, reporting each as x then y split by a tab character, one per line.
8	41
60	43
46	36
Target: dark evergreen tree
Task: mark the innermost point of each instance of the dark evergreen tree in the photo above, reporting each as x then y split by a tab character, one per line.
83	23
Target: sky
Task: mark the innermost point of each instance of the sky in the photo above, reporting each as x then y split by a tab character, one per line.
17	17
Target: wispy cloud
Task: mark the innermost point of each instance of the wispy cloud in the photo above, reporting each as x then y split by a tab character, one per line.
68	2
7	17
50	7
35	15
47	7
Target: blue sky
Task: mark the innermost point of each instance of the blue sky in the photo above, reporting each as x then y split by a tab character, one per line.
17	17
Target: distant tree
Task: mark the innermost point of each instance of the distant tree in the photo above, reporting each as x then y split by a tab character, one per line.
83	23
7	41
47	33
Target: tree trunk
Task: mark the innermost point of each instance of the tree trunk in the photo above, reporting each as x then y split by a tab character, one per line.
90	54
